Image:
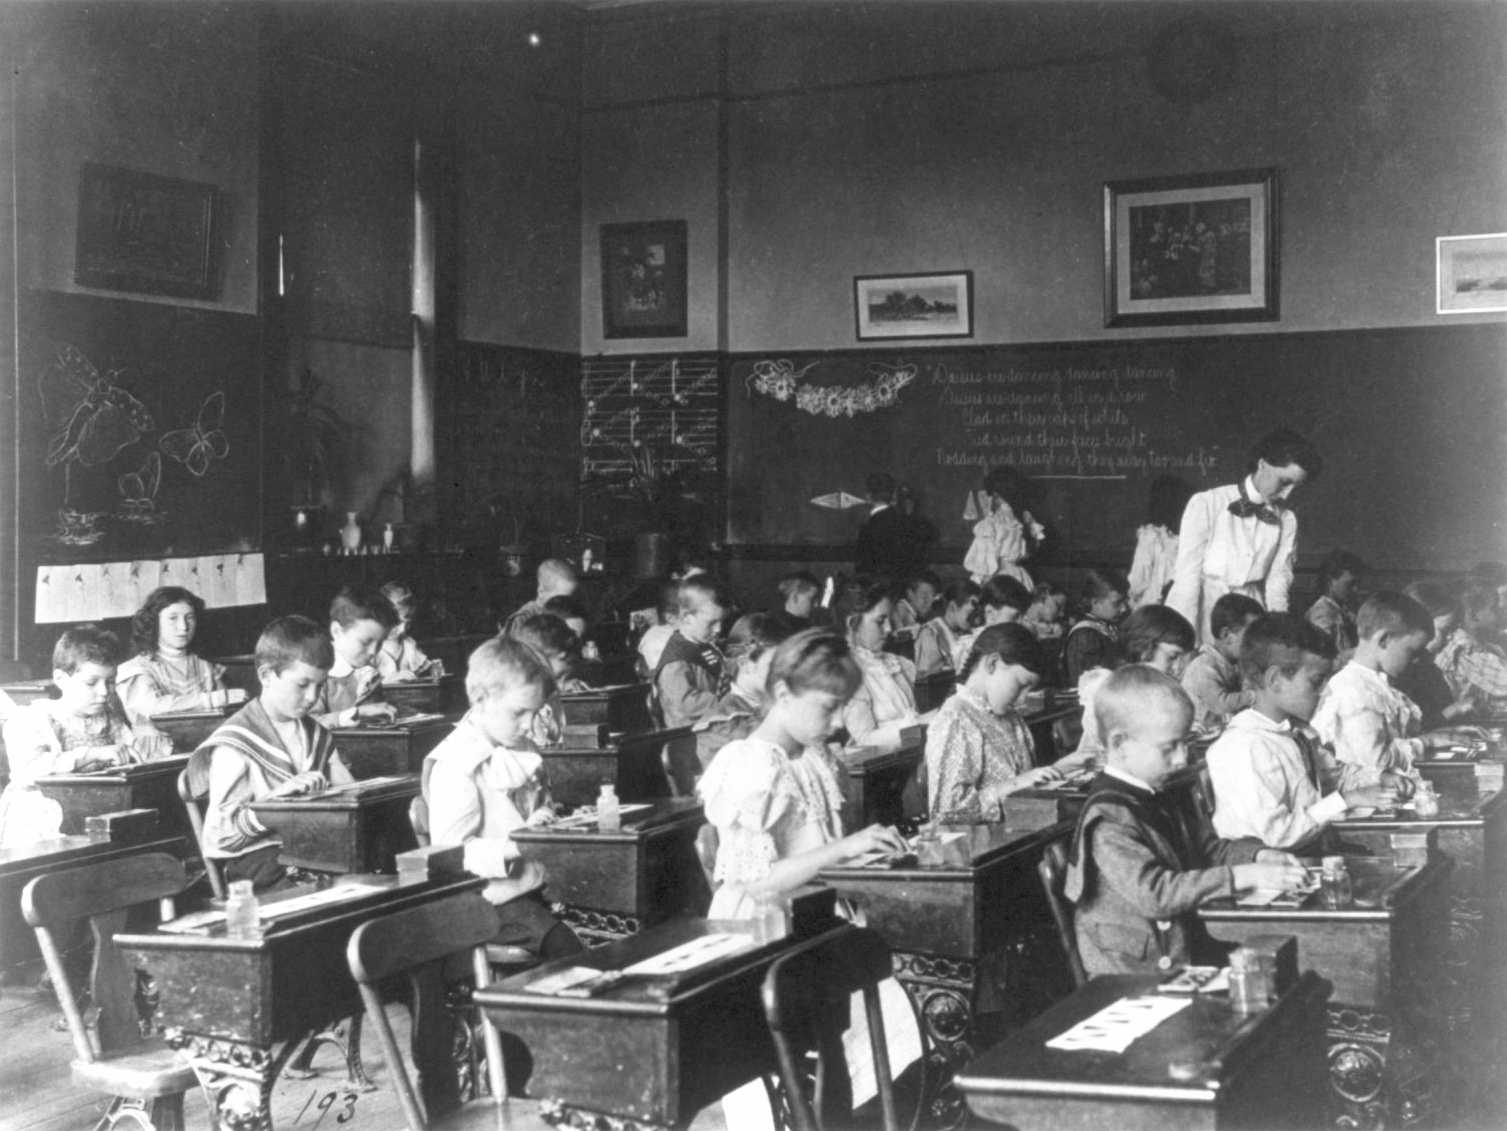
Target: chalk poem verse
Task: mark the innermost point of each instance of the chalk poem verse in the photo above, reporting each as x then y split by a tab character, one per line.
1065	421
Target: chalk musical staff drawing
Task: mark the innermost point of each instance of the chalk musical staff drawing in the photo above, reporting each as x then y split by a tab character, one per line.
92	418
198	445
670	405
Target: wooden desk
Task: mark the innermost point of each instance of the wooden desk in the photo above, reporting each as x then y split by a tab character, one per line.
354	828
1204	1067
631	762
881	785
443	696
653	1051
610	885
240	671
142	785
24	691
189	729
109	836
623	708
396	748
1042	723
958	931
1385	957
239	1008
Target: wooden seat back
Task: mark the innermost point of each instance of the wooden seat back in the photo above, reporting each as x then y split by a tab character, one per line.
1052	868
103	894
707	843
807	994
195	805
418	817
681	764
410	948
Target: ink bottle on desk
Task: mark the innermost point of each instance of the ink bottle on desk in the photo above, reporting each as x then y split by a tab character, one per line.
609	812
1250	987
1339	892
1425	800
242	915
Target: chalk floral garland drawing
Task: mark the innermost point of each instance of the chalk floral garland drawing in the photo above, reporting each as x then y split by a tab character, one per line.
781	380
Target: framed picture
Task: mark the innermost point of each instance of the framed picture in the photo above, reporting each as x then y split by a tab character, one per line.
1472	273
934	305
141	232
1197	248
644	280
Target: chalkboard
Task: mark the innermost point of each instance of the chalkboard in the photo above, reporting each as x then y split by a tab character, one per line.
509	421
140	430
1412	424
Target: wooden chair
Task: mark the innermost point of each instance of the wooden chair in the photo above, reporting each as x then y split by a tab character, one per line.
146	1077
408	949
195	805
707	843
1052	868
505	959
681	764
806	1001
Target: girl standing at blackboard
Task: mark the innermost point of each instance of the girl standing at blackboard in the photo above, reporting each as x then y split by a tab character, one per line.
1156	542
1005	537
1241	538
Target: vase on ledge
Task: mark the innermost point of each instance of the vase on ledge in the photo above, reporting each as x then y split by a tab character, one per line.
350	534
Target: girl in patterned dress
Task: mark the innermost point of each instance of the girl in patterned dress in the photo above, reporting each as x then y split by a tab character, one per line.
163	674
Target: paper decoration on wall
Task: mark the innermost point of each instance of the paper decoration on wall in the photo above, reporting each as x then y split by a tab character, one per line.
782	381
838	501
96	591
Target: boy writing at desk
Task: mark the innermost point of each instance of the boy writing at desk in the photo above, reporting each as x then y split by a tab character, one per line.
1374	728
1140	864
485	781
359	622
271	747
692	673
1212	677
1273	781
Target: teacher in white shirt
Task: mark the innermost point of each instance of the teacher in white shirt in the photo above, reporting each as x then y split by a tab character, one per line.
1241	538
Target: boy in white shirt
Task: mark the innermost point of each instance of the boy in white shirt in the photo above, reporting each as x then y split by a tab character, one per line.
1373	727
1272	779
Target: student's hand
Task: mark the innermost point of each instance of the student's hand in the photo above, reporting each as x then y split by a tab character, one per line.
299	784
876	840
400	676
540	818
98	757
376	713
1038	775
1399	782
1271	875
1371	797
234	696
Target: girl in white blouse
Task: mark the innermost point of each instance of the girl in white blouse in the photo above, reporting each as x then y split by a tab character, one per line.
164	675
885	700
937	639
1156	542
775	803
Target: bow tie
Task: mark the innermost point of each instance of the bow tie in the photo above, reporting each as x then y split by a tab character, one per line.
1244	508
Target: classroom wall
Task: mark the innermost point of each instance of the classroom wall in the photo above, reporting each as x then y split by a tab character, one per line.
903	137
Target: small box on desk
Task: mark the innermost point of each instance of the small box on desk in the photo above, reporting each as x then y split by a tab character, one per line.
1032	809
586	736
1488	777
431	860
623	708
128	826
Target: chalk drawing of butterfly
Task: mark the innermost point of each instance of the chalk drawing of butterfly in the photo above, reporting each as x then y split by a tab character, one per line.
93	416
138	491
197	446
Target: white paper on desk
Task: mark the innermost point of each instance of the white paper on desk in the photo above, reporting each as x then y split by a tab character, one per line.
581	820
563	980
1115	1027
338	894
688	956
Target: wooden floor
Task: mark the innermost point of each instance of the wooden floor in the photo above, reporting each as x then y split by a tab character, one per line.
36	1094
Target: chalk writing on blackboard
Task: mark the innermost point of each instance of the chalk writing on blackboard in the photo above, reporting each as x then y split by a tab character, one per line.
1059	422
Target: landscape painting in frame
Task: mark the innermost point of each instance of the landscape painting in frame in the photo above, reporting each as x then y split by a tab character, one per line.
1472	273
935	305
1196	248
